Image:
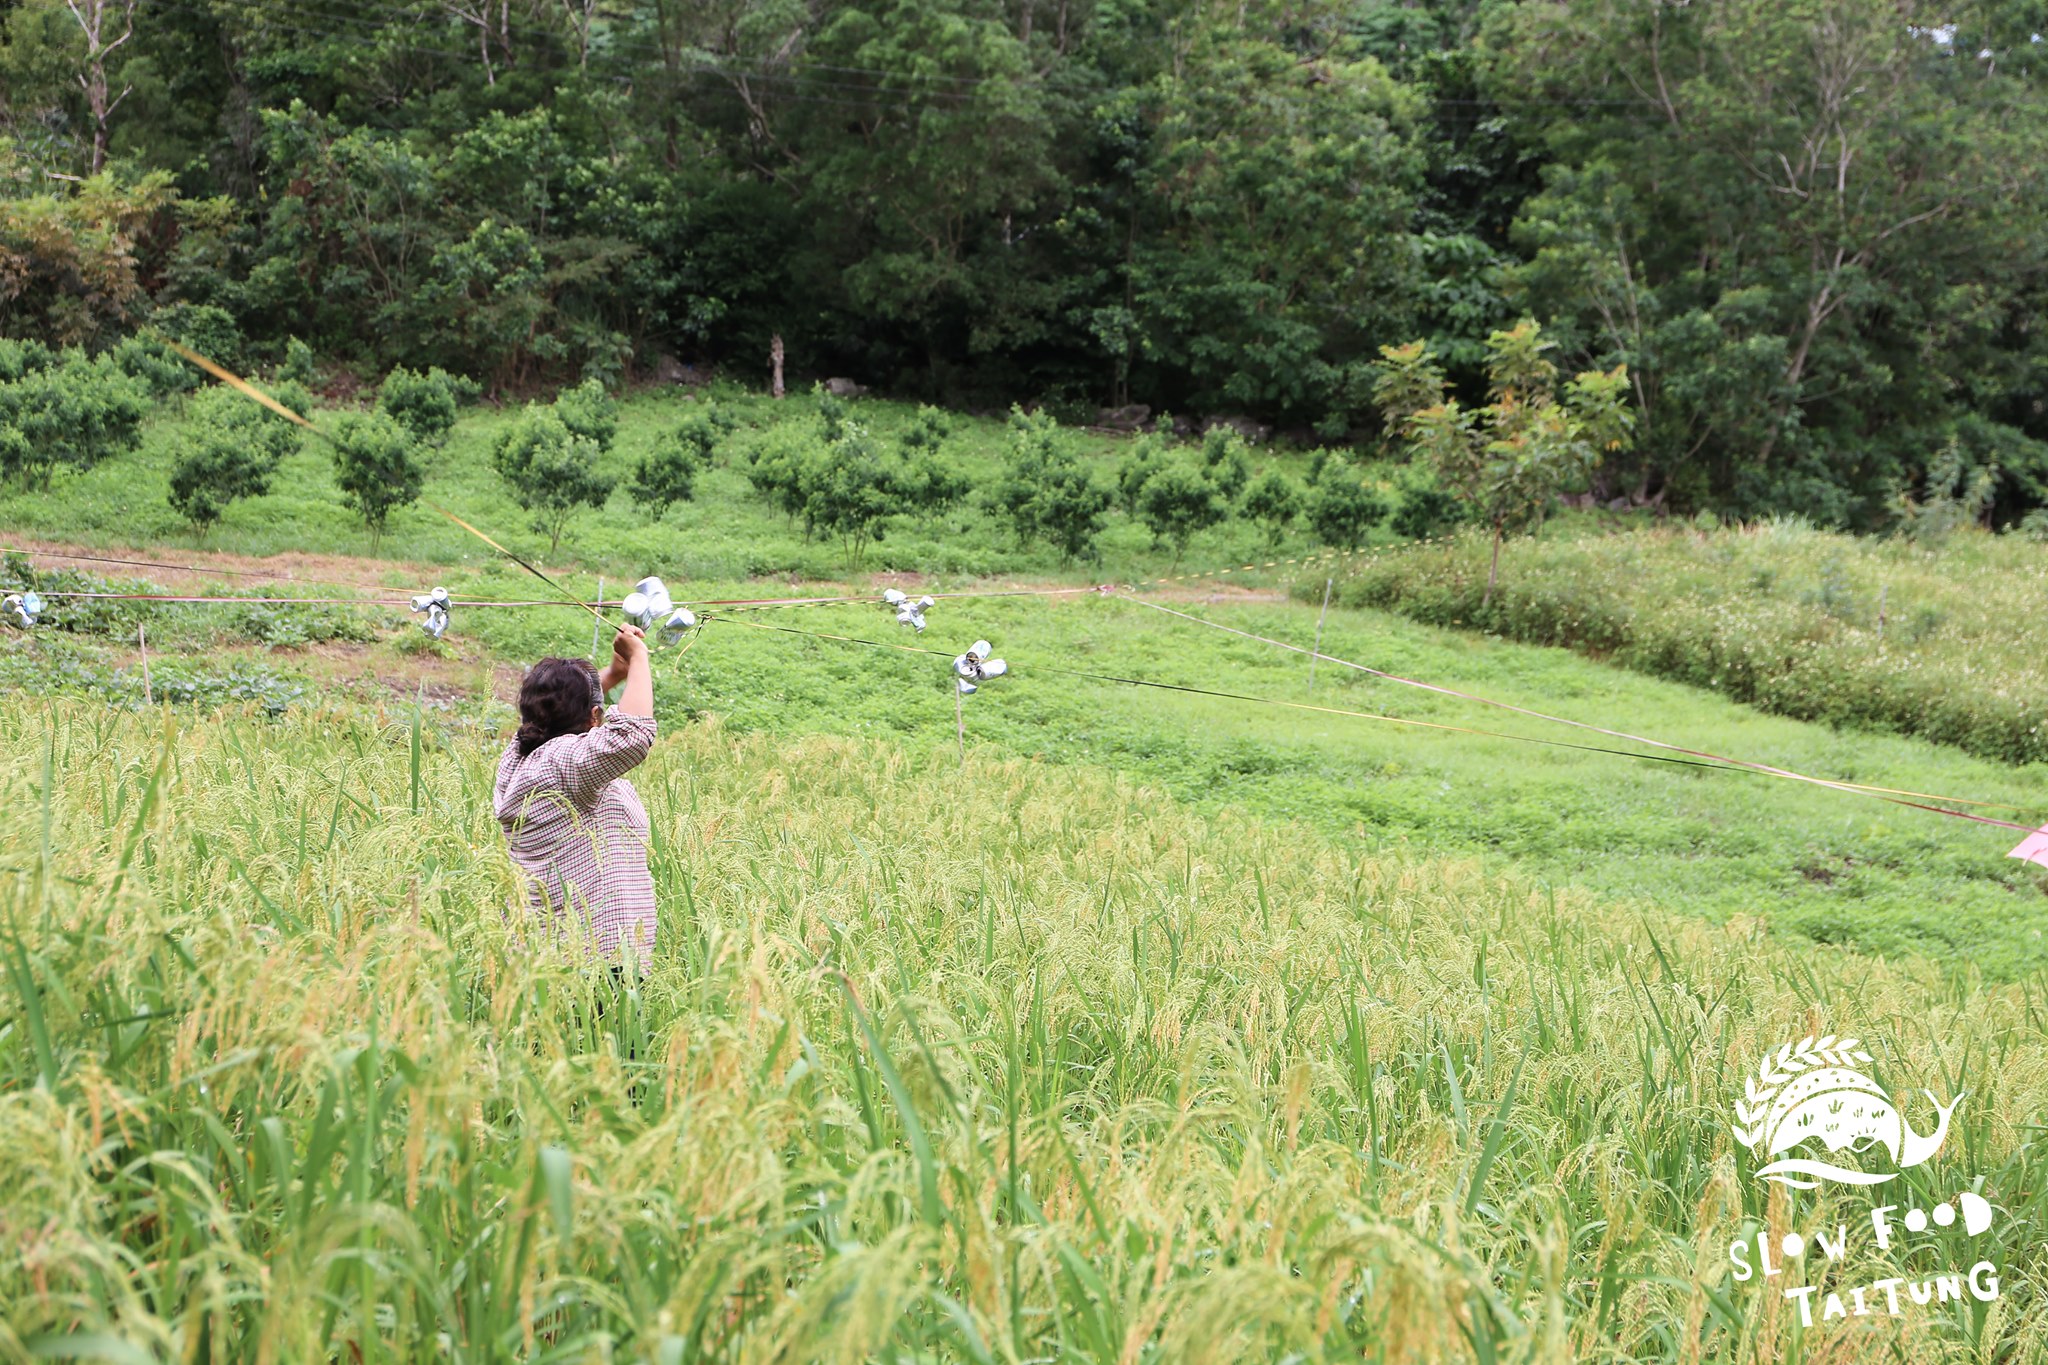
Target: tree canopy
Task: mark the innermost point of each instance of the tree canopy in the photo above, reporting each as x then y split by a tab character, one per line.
1813	231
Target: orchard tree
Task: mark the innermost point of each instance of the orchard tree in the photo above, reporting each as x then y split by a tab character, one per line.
1273	502
931	485
701	431
852	491
293	397
926	433
1046	493
298	366
1426	506
667	474
1146	457
549	470
161	369
1224	461
776	469
70	414
832	412
229	448
206	328
1179	500
1068	509
589	413
1343	508
425	404
376	468
1510	459
18	358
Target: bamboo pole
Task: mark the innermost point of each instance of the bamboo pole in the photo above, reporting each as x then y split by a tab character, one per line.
1328	583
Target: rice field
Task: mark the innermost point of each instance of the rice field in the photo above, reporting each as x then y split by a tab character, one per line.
1016	1062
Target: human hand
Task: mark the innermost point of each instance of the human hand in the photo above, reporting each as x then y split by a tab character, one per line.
629	644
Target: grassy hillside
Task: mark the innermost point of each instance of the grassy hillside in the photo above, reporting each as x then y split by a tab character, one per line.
1879	634
728	531
1729	847
1023	1063
1778	616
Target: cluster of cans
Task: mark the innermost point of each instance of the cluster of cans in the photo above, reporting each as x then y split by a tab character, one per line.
649	607
970	670
909	610
21	608
975	667
435	605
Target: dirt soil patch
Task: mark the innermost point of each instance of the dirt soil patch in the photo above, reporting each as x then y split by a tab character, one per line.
205	568
181	568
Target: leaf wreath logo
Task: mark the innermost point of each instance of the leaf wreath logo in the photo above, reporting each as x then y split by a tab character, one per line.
1815	1089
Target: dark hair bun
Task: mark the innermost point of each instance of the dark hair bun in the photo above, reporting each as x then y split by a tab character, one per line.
555	700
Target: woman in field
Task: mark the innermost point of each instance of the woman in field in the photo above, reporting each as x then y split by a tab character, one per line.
574	825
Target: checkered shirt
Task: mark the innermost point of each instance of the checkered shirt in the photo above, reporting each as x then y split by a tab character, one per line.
578	833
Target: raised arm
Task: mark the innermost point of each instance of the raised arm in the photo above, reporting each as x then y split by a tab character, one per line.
616	747
614	671
629	665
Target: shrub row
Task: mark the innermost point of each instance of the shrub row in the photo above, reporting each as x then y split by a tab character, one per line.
1874	635
838	479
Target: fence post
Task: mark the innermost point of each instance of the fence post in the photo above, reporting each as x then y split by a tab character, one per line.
1319	633
959	724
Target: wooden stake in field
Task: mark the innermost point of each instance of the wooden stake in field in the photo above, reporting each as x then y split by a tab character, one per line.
148	696
1328	583
959	724
597	630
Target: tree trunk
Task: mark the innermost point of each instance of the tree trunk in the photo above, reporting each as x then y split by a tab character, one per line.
1493	569
92	21
581	13
775	366
1818	310
476	12
671	156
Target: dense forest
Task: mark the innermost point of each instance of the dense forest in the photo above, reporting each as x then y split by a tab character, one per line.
1814	231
